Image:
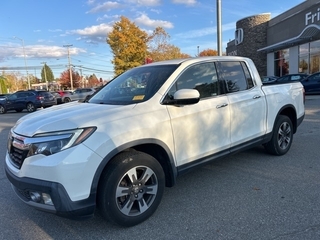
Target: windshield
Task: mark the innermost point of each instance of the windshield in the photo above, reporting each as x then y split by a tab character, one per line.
134	86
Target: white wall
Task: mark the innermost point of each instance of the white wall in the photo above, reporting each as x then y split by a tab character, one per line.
294	59
270	64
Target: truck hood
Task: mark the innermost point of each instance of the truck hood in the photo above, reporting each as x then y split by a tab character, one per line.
70	116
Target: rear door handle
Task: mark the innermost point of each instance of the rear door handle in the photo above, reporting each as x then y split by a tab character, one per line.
256	96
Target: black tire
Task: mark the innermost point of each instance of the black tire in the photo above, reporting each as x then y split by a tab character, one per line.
282	136
129	201
2	109
66	100
19	110
30	107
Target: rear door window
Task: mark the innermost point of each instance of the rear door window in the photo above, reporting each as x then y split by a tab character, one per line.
236	76
315	77
21	95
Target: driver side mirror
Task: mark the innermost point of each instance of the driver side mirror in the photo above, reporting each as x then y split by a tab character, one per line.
185	97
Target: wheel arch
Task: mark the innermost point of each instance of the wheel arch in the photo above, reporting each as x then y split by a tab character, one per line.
290	111
28	102
66	99
153	147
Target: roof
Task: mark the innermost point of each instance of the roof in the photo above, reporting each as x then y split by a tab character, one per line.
195	60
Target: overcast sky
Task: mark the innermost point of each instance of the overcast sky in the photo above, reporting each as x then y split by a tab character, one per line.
46	27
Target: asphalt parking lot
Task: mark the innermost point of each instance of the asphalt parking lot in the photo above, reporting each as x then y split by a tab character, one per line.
251	195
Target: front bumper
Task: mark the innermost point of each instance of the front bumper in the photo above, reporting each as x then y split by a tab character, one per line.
62	204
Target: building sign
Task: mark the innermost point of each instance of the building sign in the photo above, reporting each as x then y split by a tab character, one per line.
312	17
238	36
232	53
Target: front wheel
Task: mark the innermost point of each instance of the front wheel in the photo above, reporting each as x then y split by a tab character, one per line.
282	136
131	188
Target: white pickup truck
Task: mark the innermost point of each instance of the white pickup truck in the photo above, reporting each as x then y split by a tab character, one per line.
134	137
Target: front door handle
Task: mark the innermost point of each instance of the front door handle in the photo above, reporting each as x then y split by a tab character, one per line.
222	105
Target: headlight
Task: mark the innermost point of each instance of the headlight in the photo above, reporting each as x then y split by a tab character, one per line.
53	142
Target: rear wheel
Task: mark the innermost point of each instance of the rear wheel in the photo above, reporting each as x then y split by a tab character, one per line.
66	100
282	136
131	188
31	107
2	109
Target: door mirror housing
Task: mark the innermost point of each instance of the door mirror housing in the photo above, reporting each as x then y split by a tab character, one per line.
186	97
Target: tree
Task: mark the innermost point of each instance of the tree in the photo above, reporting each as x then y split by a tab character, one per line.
14	81
303	66
46	73
3	86
93	81
128	44
208	52
160	49
65	81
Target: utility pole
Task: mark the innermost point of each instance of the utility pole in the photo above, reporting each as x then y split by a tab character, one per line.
45	75
70	71
219	27
25	61
82	82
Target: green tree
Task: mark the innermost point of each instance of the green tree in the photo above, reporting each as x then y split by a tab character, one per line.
47	74
128	44
160	49
3	87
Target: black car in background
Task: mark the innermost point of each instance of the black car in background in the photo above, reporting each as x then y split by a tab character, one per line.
292	77
268	79
311	83
4	95
30	100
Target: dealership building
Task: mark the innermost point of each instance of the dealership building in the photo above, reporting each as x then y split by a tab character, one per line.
287	43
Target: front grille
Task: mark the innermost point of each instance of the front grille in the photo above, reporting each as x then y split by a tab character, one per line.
17	156
17	150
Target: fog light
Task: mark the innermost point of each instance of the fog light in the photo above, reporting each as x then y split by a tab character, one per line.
47	199
35	196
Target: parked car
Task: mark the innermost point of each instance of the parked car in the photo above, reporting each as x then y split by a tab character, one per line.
57	96
64	95
97	89
79	94
311	83
292	77
30	100
4	95
268	79
118	151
